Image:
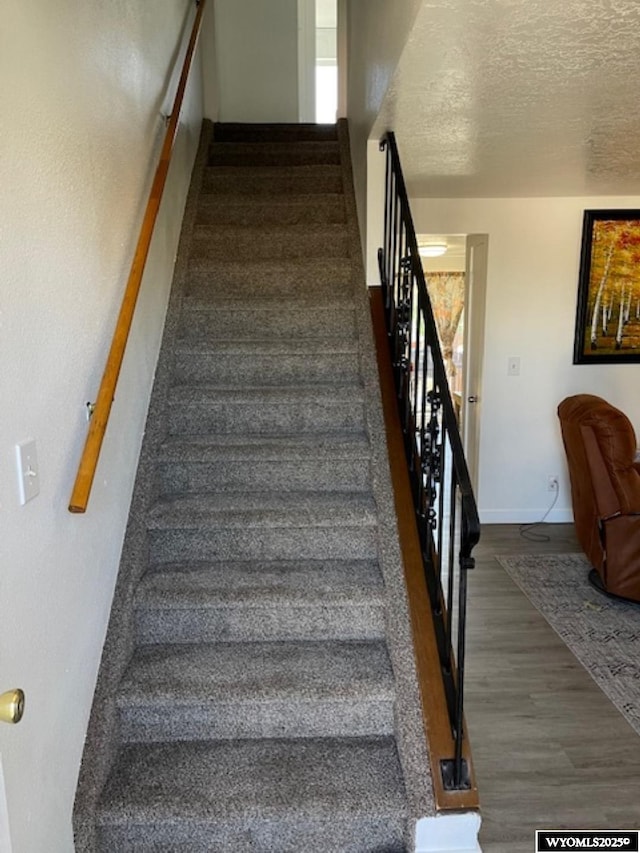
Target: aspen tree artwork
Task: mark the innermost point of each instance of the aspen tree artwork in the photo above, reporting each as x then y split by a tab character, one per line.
608	315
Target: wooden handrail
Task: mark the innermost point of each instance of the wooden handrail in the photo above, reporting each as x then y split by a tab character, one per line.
102	409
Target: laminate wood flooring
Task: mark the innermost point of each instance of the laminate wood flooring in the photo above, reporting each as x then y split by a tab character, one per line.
550	750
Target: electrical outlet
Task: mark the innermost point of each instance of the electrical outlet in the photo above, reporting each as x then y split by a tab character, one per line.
553	484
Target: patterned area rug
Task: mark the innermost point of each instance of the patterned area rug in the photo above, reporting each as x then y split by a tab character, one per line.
602	633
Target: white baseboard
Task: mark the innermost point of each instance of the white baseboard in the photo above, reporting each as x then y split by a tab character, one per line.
524	516
456	832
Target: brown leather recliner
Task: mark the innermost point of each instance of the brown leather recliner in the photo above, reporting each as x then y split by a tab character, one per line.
605	490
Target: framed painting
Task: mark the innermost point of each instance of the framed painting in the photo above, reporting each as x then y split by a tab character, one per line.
608	308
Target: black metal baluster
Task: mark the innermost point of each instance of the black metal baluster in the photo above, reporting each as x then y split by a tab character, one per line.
433	446
451	561
387	225
414	374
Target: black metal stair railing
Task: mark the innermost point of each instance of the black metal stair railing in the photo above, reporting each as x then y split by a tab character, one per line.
446	511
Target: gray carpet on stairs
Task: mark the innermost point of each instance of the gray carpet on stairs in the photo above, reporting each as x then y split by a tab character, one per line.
257	690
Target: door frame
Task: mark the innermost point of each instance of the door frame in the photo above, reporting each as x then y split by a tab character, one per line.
307	61
475	290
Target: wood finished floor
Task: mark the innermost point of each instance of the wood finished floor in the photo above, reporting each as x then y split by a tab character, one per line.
550	750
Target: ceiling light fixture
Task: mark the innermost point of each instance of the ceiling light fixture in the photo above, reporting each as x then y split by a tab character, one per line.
432	250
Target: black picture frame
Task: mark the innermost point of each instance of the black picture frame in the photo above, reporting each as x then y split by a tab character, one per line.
607	327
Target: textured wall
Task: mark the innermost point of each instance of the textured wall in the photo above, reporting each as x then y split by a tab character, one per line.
257	59
377	31
83	84
495	99
532	282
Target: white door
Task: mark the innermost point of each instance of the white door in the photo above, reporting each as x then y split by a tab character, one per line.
474	309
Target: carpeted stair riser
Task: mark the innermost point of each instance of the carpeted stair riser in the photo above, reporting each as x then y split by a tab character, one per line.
257	690
205	323
189	718
335	794
270	526
286	543
256	601
287	154
266	411
229	364
325	278
302	581
282	621
272	133
262	468
297	180
272	242
277	210
328	475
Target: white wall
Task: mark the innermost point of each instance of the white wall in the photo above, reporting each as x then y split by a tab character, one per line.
83	84
257	60
376	33
534	256
209	63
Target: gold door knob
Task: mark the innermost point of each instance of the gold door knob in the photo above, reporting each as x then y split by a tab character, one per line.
11	706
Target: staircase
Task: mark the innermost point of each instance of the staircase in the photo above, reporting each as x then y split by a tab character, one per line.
246	690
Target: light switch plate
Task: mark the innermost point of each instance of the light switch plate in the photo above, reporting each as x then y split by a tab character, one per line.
28	474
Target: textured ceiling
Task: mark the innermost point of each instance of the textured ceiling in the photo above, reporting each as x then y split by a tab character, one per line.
519	98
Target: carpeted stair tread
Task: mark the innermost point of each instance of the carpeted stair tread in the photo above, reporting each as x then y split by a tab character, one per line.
255	509
247	210
273	132
233	690
343	794
297	153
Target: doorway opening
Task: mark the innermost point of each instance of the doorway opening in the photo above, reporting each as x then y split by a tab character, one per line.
455	267
318	61
326	64
444	264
